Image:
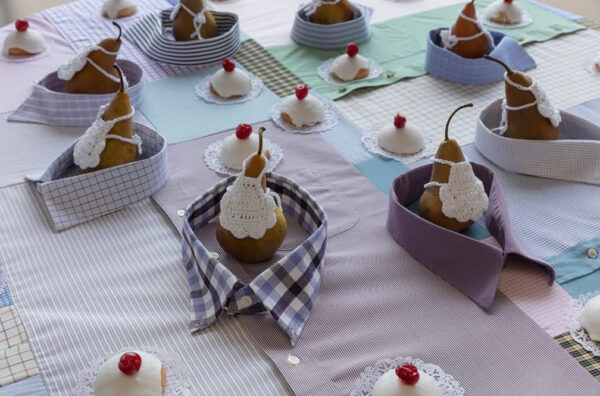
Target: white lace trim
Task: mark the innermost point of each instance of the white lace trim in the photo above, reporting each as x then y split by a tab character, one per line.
463	197
204	92
199	18
365	383
178	383
449	40
324	72
332	115
369	140
212	158
575	328
312	7
67	70
247	210
87	150
544	107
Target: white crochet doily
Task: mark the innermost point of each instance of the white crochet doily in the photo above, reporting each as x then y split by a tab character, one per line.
590	65
324	72
203	91
369	140
526	20
332	115
365	383
30	58
212	158
577	332
177	374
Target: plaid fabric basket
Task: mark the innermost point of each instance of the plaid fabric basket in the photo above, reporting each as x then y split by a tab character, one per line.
49	104
329	37
152	34
72	197
447	65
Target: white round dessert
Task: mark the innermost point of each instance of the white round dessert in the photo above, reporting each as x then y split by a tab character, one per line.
503	12
235	150
347	67
590	318
229	84
306	112
400	141
390	385
110	381
118	8
30	41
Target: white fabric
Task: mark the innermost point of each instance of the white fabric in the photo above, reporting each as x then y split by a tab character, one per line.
67	70
199	18
30	40
449	40
112	7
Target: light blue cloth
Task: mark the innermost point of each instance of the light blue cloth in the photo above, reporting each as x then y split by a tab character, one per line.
589	110
583	285
32	386
574	263
5	298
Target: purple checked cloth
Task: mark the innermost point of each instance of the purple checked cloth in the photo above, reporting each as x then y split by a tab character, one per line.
447	65
49	104
72	197
472	266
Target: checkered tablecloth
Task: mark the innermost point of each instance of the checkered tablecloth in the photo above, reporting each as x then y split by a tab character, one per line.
16	359
585	358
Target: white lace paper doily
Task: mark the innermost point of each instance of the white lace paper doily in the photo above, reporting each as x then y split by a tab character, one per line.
365	383
332	115
324	72
212	158
369	140
178	383
577	332
526	20
590	65
203	91
30	58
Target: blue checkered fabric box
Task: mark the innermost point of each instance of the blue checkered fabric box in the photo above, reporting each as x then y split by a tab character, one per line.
72	197
49	104
329	37
152	35
447	65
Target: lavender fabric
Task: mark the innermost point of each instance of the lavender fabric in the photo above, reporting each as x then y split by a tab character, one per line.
447	65
49	104
72	198
472	266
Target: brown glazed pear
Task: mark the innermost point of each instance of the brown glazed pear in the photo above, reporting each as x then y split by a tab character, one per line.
249	249
430	205
89	80
328	14
527	123
474	48
183	24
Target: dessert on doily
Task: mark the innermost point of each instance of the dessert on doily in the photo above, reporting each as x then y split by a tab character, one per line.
192	21
118	8
230	81
590	318
329	12
504	12
351	65
240	145
467	37
131	373
23	41
406	380
302	109
398	138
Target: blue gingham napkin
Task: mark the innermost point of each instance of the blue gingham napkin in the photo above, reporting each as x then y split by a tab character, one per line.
447	65
49	104
72	197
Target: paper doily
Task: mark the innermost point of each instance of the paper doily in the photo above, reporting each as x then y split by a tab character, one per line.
212	158
203	91
369	140
324	72
178	383
332	115
365	383
526	20
590	65
577	332
22	59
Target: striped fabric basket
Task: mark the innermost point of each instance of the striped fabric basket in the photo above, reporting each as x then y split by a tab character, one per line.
49	104
72	197
336	36
152	34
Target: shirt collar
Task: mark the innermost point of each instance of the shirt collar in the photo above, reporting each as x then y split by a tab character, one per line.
287	289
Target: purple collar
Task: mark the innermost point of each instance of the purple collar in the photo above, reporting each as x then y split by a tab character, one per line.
472	266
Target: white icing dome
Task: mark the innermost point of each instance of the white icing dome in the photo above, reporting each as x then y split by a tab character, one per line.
390	385
30	41
303	112
590	318
230	83
110	381
118	8
346	67
405	140
504	12
235	150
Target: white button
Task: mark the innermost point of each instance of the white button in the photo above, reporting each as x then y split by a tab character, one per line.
214	255
293	360
180	212
245	302
592	253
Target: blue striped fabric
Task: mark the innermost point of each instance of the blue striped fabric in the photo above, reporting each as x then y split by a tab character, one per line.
5	297
32	386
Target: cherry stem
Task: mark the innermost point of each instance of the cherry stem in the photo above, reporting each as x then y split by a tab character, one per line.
452	115
509	71
120	30
120	77
260	140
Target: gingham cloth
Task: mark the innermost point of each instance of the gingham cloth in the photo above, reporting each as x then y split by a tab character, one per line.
71	200
447	65
585	358
575	156
287	289
148	34
49	104
329	37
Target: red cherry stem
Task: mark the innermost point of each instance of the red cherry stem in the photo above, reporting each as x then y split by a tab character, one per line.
450	118
260	140
120	30
509	71
120	77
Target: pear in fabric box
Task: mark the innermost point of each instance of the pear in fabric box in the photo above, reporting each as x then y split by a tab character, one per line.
115	163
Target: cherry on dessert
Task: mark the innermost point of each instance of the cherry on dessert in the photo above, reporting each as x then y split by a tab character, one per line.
243	131
301	91
408	373
130	363
508	1
21	25
228	65
352	50
399	121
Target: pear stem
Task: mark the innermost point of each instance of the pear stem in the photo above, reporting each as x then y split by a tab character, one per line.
120	30
509	71
450	118
260	140
120	77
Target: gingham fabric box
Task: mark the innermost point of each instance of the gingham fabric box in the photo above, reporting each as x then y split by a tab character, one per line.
152	34
49	104
72	197
447	65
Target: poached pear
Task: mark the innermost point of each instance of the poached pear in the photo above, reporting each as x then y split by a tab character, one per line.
328	14
475	47
183	23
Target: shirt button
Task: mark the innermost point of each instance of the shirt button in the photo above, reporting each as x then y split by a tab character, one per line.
180	212
214	255
245	302
592	253
293	360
